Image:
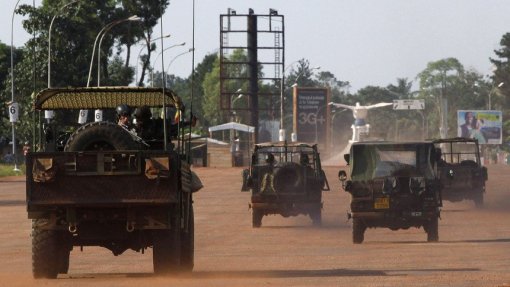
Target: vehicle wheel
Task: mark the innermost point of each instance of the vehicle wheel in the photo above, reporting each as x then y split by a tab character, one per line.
64	251
166	248
433	230
358	231
100	136
45	244
188	245
257	218
478	199
63	265
316	216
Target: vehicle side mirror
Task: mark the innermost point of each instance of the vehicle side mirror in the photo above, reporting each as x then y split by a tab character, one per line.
450	174
346	184
347	157
342	175
247	181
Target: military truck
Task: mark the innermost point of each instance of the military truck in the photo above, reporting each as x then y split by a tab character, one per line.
286	179
393	185
461	172
99	184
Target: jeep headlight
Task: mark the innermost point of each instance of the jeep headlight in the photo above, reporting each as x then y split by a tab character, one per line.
417	185
389	185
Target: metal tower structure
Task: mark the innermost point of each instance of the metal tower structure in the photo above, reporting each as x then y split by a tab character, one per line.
249	61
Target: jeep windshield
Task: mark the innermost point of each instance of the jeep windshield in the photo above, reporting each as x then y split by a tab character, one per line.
381	160
458	152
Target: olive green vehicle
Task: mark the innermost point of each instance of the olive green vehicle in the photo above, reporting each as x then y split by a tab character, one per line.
461	172
286	179
393	185
98	184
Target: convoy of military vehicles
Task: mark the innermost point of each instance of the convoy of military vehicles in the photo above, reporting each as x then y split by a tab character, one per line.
124	187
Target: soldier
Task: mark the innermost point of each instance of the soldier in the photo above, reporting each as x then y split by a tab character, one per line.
124	116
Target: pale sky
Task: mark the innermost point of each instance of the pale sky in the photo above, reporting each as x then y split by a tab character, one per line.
365	42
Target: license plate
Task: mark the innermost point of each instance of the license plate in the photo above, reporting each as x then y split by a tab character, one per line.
382	203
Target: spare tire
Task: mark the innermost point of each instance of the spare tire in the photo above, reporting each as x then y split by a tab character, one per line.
287	177
101	136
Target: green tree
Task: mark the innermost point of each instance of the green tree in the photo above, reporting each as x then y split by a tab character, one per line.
500	86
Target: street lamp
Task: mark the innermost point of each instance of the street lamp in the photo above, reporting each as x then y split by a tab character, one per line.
183	53
49	38
140	52
12	89
157	56
110	26
232	103
492	90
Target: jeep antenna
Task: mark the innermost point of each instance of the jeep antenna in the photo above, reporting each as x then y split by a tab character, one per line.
163	79
188	147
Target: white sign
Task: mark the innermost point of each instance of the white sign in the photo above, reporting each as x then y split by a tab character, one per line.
408	104
82	118
48	114
98	115
13	112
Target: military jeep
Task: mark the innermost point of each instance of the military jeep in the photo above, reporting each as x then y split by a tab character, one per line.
461	172
98	184
393	185
286	179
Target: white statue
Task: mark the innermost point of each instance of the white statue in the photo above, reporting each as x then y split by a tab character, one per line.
360	113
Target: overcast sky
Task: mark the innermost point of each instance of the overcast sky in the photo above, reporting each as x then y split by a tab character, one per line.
365	42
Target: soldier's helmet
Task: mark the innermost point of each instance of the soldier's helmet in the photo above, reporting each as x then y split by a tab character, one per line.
123	110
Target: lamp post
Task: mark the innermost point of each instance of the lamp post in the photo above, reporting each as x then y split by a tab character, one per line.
12	88
492	90
157	56
183	53
140	52
110	26
49	38
232	102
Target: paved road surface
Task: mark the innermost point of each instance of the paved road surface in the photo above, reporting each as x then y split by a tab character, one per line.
474	247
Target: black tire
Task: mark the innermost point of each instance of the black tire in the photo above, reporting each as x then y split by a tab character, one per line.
188	245
257	218
166	248
63	265
45	244
478	199
100	136
358	231
316	216
287	177
432	230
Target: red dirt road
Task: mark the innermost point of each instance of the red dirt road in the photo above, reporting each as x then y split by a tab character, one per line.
474	246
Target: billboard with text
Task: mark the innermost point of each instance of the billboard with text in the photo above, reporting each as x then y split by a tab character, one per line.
485	126
311	115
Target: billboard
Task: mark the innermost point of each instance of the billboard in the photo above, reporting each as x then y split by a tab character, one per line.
311	115
485	126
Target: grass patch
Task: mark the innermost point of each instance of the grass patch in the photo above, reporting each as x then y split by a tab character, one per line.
8	170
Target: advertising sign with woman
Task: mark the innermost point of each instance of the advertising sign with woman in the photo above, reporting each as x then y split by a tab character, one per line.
485	126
